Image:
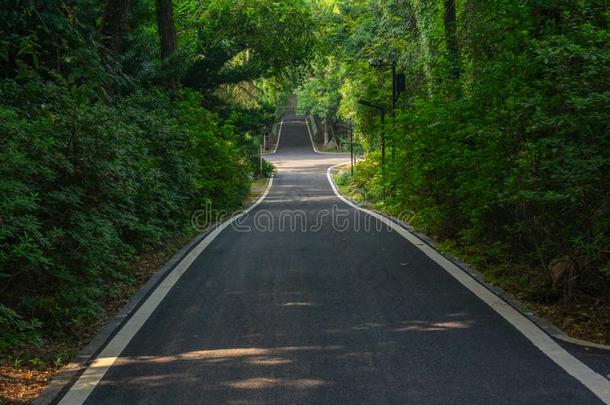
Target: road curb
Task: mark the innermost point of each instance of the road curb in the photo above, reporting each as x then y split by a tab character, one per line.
544	324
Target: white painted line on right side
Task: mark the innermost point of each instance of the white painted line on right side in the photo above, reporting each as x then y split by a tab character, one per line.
595	382
313	144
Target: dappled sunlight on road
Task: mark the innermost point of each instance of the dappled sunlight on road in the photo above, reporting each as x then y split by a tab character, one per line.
298	304
224	354
424	326
262	383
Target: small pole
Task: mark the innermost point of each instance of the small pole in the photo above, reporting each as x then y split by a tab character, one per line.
394	89
394	99
383	154
382	140
351	148
260	155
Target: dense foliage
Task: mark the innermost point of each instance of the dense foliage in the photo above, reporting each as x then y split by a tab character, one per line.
105	150
501	138
120	118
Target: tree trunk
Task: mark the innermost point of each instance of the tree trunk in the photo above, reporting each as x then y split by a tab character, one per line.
451	39
167	32
114	25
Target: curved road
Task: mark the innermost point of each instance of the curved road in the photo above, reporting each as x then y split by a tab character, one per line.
341	312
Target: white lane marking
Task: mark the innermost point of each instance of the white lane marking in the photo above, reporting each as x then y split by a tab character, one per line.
313	145
87	382
589	378
279	136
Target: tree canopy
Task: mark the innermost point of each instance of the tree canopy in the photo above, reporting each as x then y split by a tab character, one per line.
120	118
501	140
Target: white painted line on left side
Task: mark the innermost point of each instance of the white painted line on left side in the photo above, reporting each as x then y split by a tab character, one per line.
90	378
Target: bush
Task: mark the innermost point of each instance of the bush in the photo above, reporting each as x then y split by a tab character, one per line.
521	159
84	186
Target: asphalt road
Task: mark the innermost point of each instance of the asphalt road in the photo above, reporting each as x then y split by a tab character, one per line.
331	314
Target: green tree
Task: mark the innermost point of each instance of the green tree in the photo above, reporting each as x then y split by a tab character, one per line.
167	33
243	40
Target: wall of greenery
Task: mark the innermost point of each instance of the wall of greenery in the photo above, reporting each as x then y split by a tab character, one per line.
502	137
109	143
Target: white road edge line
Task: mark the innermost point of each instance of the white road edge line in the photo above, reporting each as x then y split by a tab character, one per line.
589	378
279	136
87	382
313	145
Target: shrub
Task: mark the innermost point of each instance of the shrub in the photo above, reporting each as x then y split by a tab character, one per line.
84	186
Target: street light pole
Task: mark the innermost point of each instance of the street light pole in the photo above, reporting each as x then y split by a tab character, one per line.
382	111
394	89
382	140
394	99
351	148
398	79
261	147
398	85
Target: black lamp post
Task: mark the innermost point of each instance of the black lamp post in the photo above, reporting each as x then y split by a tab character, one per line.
382	111
398	79
350	133
351	149
398	84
